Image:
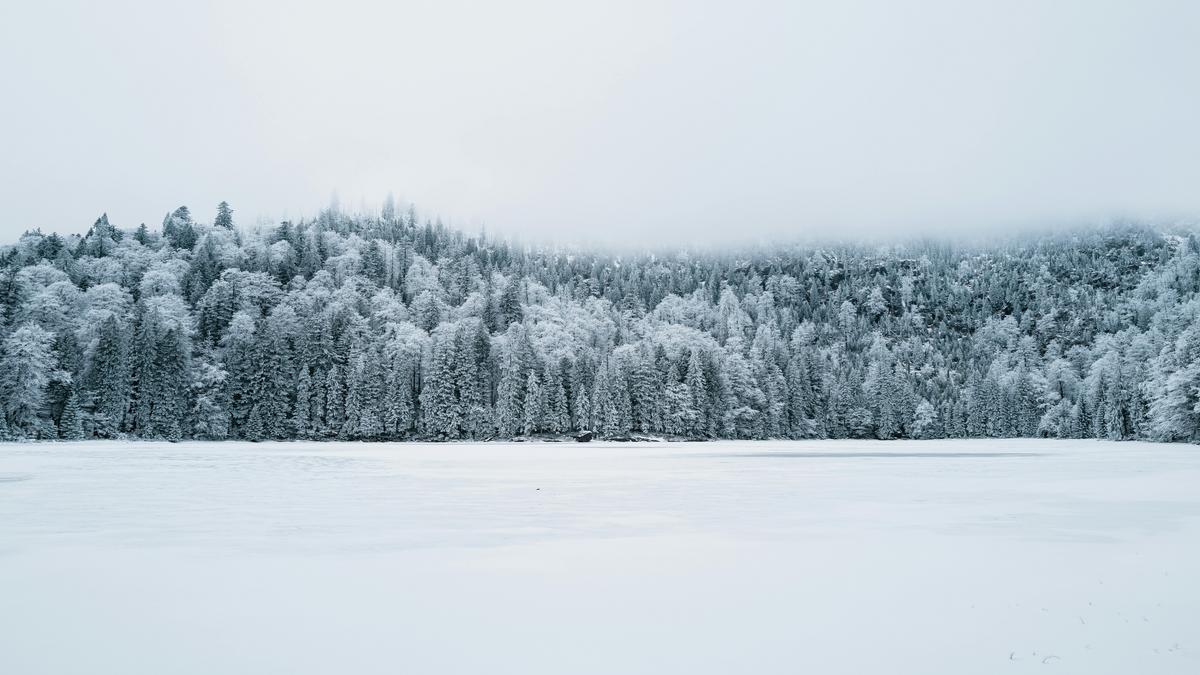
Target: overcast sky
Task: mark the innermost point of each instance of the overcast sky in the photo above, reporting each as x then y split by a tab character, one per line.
612	121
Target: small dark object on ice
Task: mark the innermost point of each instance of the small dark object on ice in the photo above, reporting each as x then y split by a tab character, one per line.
583	436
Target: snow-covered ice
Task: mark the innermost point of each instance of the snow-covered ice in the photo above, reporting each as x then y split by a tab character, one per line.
983	556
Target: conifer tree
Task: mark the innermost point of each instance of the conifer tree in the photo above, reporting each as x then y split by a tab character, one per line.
534	406
25	370
106	382
510	311
70	424
603	414
168	387
581	413
335	401
925	421
224	217
301	418
697	386
209	418
440	400
558	420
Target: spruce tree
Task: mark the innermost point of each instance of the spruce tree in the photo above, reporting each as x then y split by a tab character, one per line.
24	375
106	382
558	419
301	420
224	217
697	385
581	414
925	421
440	401
70	424
511	383
534	406
510	310
167	389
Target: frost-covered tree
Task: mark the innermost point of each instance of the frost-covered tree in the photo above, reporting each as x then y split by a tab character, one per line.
440	401
26	367
698	397
224	217
581	412
70	423
557	418
106	380
925	421
534	406
209	414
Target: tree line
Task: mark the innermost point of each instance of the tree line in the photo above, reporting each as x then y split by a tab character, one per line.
383	327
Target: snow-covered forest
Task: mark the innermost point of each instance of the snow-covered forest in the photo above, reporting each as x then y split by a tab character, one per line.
388	327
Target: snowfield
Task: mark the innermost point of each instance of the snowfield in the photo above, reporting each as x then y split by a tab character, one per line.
981	556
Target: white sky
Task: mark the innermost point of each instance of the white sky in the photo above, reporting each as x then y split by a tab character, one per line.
617	121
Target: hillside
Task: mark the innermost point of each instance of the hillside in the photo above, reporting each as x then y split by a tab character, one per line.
383	327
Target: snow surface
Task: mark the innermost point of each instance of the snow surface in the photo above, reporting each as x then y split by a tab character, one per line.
983	556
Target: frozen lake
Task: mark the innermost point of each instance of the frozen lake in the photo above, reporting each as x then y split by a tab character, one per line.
955	557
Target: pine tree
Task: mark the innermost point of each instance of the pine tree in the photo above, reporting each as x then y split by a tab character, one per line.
253	429
179	230
167	390
681	417
440	402
209	417
510	304
301	418
473	377
841	400
645	394
427	311
106	382
925	421
558	420
271	377
24	374
511	383
402	355
356	400
224	216
745	401
335	401
70	424
239	348
388	213
581	414
775	421
371	390
698	396
534	406
602	405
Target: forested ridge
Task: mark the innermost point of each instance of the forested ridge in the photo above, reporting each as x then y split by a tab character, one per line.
384	326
